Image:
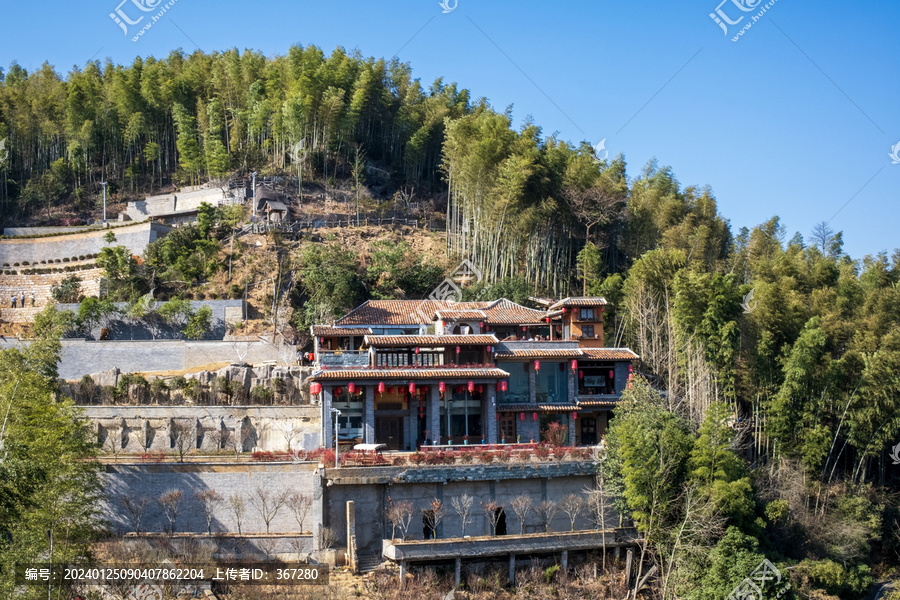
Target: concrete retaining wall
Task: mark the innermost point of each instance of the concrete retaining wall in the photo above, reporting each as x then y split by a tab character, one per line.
152	480
538	481
134	237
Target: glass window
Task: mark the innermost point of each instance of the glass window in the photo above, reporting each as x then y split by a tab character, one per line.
586	314
587	331
552	383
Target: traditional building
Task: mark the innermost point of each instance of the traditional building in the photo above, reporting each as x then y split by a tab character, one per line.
408	373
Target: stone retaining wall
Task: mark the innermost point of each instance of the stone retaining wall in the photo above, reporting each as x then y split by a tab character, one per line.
134	237
146	429
40	286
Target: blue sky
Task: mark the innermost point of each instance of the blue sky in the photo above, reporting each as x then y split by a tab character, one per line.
797	118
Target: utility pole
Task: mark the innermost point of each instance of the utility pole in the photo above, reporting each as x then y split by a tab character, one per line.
103	183
253	174
337	429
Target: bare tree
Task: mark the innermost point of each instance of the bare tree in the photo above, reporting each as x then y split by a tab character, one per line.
433	514
238	509
299	505
113	442
135	507
209	501
327	538
821	236
181	438
547	510
573	506
170	503
493	510
463	507
268	546
400	515
521	505
289	433
267	504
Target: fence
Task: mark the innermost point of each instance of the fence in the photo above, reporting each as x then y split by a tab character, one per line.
313	224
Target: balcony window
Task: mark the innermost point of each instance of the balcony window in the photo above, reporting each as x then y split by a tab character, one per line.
552	383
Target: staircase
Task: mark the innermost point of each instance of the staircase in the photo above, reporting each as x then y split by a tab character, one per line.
370	562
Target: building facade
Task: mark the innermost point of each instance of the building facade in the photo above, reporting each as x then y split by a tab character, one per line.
413	373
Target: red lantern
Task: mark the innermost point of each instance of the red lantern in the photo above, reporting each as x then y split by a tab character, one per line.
631	368
534	416
580	374
393	390
471	386
523	328
417	349
380	387
497	387
502	386
481	324
490	349
442	387
564	310
412	387
574	365
537	365
612	374
351	387
457	349
480	389
321	340
574	416
521	416
338	391
315	387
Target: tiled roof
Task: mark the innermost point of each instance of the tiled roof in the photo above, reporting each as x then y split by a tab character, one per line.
580	301
588	403
568	353
505	312
327	331
610	353
535	407
391	312
422	312
424	373
460	315
381	341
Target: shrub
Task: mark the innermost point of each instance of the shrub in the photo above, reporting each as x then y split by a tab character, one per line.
15	264
65	260
560	452
542	451
417	458
25	263
486	456
235	292
399	461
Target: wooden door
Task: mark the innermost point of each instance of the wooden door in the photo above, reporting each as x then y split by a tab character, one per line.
389	430
508	429
588	431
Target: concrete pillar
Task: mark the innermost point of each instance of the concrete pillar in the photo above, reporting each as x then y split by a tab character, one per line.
402	574
369	415
412	423
433	414
572	423
621	371
351	536
439	495
629	557
564	560
491	414
532	382
573	384
512	569
327	423
457	571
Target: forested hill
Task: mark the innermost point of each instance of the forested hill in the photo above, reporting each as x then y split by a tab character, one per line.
779	357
